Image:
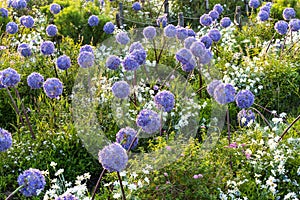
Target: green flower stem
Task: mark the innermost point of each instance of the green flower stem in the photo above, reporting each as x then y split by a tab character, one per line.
122	189
98	182
288	128
14	192
15	105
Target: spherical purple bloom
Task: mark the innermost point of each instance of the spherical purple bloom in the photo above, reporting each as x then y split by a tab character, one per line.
269	4
149	32
63	62
27	21
214	34
224	93
198	49
53	87
225	22
289	13
136	6
55	8
181	33
254	4
109	28
162	21
51	30
266	8
136	46
207	41
67	197
93	20
121	89
165	101
245	117
33	181
214	15
86	48
281	27
11	27
35	80
1	85
263	16
189	66
125	136
170	31
86	59
294	24
10	77
244	99
218	8
113	62
189	41
183	55
191	33
3	12
21	4
139	55
47	48
5	140
148	120
113	157
24	50
206	20
122	38
212	86
130	63
206	57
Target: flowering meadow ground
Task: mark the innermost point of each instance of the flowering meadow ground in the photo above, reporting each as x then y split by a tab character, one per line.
107	99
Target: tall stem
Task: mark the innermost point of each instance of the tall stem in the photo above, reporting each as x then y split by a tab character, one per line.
14	192
288	128
228	137
97	185
15	105
122	189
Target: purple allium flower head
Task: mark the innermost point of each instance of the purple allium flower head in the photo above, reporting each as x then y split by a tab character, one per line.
224	93
27	21
122	38
206	20
162	21
113	62
164	100
212	86
86	48
269	4
125	136
121	89
225	22
136	6
263	15
170	31
149	32
21	4
33	181
191	32
245	117
289	13
109	28
35	80
51	30
281	27
244	99
86	59
148	120
266	8
219	8
113	157
55	8
1	85
189	41
136	46
5	140
139	55
198	49
254	4
63	62
47	48
294	24
53	87
24	50
130	63
214	14
93	20
67	197
206	57
181	33
183	55
11	27
189	66
10	77
214	34
3	12
207	41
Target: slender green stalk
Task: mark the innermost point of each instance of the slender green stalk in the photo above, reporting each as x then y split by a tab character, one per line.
14	192
14	105
97	185
122	189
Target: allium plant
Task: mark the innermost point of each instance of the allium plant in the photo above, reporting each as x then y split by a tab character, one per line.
35	80
47	48
86	59
51	30
113	62
149	32
55	8
289	13
53	87
24	50
27	21
224	93
93	20
244	99
5	140
125	137
10	77
170	31
181	33
136	6
206	20
225	22
165	101
11	27
87	48
122	38
109	28
121	89
281	27
149	121
245	117
63	62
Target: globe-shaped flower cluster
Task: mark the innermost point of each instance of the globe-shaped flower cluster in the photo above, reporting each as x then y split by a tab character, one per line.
5	140
125	137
